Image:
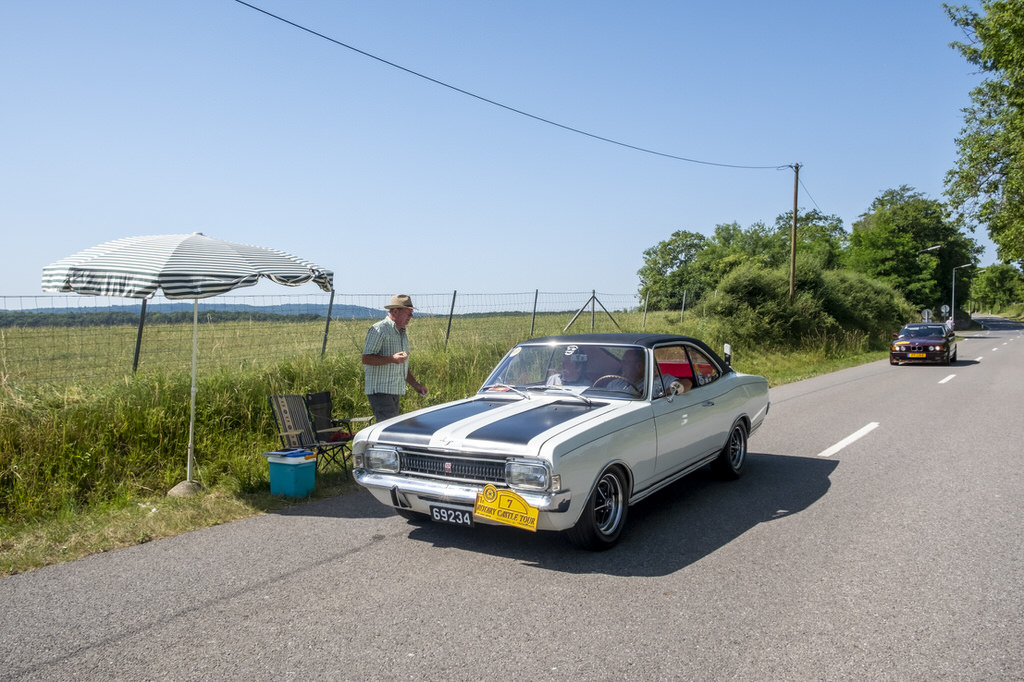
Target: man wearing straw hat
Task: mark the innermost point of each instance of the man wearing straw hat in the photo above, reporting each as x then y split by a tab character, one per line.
386	360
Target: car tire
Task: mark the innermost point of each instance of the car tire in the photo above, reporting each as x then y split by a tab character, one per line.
731	460
604	516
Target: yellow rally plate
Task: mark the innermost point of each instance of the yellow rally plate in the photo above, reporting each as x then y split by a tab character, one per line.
505	506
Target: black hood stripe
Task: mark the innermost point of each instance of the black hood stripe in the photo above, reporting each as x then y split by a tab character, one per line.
417	430
519	429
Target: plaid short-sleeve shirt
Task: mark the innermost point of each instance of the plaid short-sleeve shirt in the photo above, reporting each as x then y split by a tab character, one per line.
384	338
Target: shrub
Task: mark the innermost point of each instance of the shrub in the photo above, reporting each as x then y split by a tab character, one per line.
753	302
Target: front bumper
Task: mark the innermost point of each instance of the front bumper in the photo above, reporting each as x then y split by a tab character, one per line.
936	357
417	494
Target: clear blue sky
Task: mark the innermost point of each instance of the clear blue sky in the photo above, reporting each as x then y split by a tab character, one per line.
124	118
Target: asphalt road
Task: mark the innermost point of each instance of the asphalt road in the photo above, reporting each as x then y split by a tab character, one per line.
877	535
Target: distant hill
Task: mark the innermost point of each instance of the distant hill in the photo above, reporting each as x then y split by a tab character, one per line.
157	313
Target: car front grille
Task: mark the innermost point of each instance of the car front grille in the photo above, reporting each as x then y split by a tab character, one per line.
465	469
922	348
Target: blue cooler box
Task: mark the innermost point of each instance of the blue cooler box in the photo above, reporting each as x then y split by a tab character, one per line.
292	472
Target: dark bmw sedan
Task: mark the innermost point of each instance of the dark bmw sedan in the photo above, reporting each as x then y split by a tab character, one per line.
929	342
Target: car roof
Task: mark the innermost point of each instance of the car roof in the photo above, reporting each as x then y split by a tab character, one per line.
625	339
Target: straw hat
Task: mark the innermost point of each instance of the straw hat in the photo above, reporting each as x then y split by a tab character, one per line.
399	301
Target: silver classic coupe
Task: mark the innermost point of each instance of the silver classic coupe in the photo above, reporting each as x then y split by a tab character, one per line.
565	434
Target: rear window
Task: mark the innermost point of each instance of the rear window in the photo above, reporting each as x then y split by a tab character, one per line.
685	361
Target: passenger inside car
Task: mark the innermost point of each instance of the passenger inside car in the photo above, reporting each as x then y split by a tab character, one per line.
573	372
672	373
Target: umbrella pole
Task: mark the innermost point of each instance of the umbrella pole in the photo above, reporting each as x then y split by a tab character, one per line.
192	406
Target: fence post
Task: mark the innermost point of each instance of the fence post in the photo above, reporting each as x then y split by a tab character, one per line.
643	325
533	318
593	309
450	314
683	309
327	327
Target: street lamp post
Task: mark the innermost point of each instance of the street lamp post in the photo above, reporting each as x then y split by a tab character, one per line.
953	311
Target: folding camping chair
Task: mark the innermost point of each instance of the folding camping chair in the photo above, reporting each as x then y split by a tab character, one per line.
296	431
330	429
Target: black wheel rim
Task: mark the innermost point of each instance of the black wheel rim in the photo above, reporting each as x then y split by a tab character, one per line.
737	448
608	504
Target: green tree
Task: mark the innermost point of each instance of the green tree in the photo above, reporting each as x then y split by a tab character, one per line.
665	274
820	236
887	244
987	184
729	247
996	287
693	264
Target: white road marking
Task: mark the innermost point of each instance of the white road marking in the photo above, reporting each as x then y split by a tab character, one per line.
848	440
947	378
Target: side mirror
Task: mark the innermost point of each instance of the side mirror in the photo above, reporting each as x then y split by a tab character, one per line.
895	335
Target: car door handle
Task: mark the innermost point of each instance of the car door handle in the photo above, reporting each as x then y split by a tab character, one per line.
707	403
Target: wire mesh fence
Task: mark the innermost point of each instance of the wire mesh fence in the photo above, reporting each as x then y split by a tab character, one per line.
62	339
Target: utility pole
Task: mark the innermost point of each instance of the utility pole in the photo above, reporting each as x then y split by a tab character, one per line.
952	313
792	235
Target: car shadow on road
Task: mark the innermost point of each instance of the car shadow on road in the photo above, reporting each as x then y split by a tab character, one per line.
959	362
668	531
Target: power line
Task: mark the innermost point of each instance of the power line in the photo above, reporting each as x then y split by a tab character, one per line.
809	195
505	106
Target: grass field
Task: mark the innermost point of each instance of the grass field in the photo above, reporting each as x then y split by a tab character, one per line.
87	454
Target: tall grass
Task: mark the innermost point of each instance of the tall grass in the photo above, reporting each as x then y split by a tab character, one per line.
109	445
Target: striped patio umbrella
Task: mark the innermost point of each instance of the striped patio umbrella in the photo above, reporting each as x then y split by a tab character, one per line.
183	266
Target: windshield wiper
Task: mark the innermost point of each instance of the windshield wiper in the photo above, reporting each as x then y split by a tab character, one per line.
509	387
564	390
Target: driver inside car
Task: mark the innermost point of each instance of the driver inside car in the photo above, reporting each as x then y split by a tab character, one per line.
631	373
574	370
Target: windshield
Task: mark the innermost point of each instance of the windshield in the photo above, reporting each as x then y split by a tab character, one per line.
922	332
613	371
